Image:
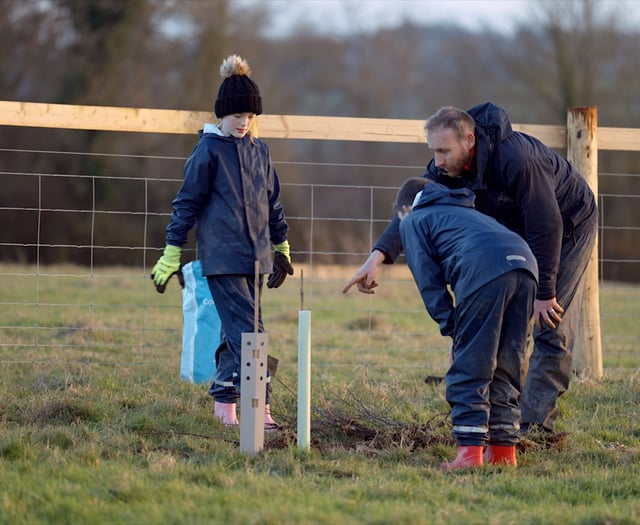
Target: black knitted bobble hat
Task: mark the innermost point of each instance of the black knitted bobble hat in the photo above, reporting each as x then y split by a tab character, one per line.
237	93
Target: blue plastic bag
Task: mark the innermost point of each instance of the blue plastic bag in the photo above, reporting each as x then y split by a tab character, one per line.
200	329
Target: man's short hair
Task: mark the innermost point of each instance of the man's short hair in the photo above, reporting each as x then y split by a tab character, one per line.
408	191
449	117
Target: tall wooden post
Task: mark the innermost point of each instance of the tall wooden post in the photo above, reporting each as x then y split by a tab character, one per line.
582	153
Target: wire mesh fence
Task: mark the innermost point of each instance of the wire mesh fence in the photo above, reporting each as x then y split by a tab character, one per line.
75	284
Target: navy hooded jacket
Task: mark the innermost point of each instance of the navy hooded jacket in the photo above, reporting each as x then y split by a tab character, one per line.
231	193
448	242
523	184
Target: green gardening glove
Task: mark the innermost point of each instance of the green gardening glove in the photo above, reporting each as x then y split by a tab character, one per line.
281	265
166	267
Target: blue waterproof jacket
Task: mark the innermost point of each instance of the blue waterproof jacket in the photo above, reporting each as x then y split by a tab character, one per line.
231	193
448	242
523	184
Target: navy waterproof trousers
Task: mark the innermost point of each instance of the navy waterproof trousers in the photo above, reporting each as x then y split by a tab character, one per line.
551	362
483	385
233	296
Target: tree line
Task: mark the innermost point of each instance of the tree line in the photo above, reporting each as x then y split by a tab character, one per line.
166	53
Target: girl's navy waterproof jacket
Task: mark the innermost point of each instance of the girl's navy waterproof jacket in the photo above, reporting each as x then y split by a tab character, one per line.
448	242
231	193
523	184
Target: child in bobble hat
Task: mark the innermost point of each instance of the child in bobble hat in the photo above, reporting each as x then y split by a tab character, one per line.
231	194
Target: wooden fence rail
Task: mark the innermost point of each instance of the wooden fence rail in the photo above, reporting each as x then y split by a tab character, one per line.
143	120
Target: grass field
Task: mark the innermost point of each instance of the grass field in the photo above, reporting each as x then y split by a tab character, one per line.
95	426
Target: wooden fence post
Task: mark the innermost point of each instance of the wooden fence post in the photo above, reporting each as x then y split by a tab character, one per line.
582	153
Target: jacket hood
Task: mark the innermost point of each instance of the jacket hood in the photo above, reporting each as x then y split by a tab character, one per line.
491	120
492	127
213	131
435	193
212	128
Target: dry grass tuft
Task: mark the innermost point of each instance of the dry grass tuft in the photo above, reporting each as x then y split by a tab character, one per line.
347	422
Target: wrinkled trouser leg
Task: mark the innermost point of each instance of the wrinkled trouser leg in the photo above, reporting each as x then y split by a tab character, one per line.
486	350
506	386
233	296
551	362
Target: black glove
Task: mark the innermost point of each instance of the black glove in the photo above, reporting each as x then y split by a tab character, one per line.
281	267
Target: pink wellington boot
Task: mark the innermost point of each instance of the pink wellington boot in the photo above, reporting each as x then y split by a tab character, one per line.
500	455
226	412
467	457
269	424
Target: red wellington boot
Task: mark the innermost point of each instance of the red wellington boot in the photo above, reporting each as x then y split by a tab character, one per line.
500	455
467	456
